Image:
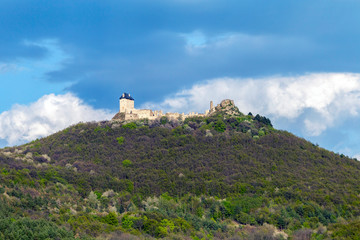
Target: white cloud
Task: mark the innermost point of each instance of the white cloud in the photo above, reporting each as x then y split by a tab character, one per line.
49	114
320	100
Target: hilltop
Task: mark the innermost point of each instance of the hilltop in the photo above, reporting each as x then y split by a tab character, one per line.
223	175
129	112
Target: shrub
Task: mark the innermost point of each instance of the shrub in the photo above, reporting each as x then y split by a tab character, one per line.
127	163
130	125
220	126
150	226
120	140
161	232
126	222
26	228
111	219
164	120
244	218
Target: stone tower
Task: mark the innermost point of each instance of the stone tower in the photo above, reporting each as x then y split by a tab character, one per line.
211	105
126	103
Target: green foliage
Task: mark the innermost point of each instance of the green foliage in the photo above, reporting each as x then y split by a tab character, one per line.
120	140
164	120
111	219
245	218
166	196
131	125
98	194
261	133
127	222
349	230
126	163
102	129
130	186
180	182
4	171
26	228
93	199
150	226
167	224
220	126
263	120
161	232
182	224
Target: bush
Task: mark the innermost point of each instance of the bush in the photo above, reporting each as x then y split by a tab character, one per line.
349	230
111	219
120	140
130	125
164	120
127	163
161	232
220	126
245	218
26	228
126	222
150	226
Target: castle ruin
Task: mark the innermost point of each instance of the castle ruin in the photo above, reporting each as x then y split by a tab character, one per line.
129	112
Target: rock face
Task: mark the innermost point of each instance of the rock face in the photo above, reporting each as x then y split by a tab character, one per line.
227	106
119	116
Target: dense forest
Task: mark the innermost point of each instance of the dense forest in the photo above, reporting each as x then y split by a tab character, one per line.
217	177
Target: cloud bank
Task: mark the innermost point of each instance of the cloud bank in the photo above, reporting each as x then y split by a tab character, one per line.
318	100
47	115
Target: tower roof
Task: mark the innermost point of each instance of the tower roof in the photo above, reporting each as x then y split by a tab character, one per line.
126	96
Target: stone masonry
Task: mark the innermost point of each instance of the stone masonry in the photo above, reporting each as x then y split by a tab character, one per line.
128	112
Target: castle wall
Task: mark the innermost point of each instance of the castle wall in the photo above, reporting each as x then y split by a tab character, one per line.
130	113
130	116
174	116
143	113
135	114
126	105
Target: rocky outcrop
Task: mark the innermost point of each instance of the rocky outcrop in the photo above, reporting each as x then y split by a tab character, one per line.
228	107
119	116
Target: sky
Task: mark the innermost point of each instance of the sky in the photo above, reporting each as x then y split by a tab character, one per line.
296	62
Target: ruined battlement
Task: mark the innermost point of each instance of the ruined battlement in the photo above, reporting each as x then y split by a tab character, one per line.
129	112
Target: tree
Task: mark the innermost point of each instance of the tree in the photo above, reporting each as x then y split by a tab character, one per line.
93	200
120	140
130	125
220	126
127	163
111	219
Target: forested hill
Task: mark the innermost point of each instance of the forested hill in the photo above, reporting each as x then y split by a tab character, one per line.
223	176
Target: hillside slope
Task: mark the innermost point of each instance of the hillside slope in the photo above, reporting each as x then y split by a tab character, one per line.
216	177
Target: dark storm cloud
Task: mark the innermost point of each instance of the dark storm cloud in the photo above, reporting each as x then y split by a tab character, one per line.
139	46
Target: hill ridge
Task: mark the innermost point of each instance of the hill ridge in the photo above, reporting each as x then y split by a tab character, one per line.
168	178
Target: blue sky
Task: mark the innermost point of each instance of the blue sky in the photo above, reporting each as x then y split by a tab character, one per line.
293	61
